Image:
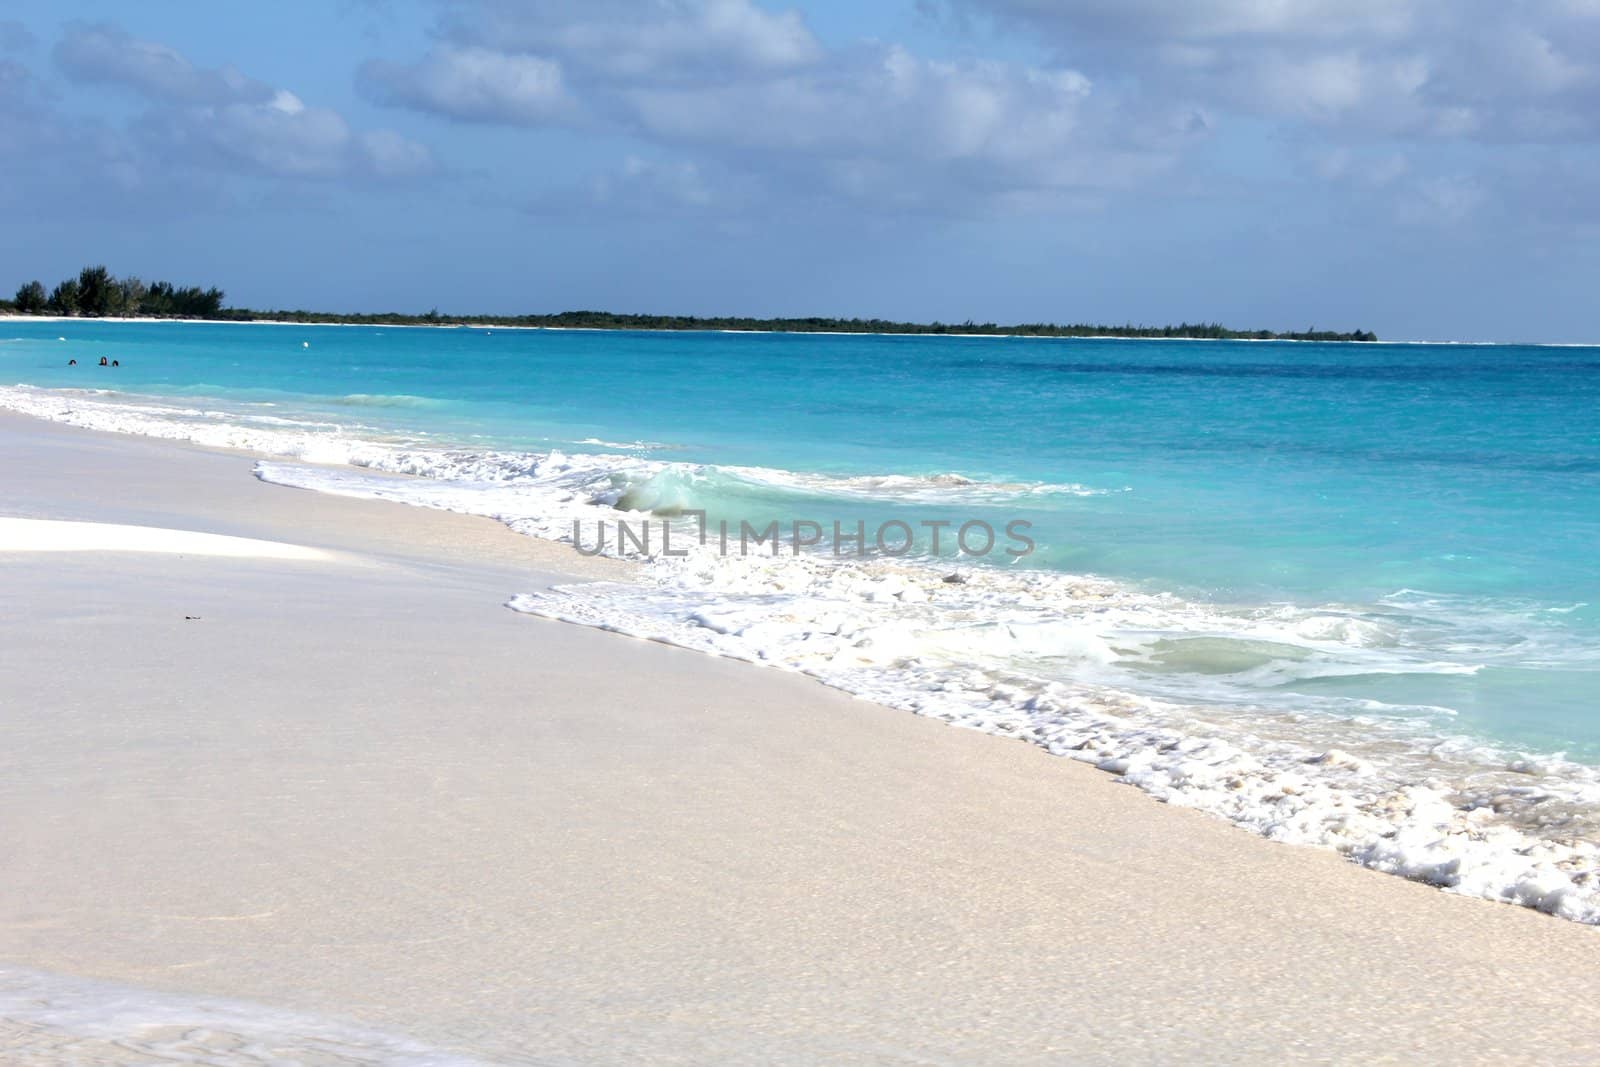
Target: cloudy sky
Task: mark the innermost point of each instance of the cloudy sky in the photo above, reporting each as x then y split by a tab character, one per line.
1422	168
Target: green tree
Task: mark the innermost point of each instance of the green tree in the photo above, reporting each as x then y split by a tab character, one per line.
31	298
64	297
158	301
133	294
202	303
95	286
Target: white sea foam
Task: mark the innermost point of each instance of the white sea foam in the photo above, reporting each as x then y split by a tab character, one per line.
630	482
932	488
1061	661
626	446
386	400
46	1018
1030	657
1188	701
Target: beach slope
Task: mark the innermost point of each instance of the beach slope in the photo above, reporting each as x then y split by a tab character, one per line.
348	782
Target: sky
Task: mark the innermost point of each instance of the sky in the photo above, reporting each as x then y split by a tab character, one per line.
1422	168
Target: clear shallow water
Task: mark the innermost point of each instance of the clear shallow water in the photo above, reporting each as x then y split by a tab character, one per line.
47	1018
1380	550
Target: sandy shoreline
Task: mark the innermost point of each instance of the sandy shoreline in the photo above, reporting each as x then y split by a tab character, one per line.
365	790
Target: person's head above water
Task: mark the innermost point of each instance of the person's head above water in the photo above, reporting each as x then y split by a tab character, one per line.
72	363
114	363
102	361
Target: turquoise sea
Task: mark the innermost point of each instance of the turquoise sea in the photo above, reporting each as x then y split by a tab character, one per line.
1365	568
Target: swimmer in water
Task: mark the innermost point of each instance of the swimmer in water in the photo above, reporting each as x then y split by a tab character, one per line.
72	363
102	361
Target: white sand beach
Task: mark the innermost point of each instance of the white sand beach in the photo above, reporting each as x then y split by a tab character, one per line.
338	785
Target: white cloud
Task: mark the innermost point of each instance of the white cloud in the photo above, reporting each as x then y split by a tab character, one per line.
389	155
910	122
76	163
219	117
680	182
475	84
282	137
645	39
1446	200
1373	171
1214	19
1542	68
639	188
754	91
1340	88
108	54
748	93
1481	70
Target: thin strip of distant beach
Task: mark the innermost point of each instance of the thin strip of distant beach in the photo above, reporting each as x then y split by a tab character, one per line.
455	325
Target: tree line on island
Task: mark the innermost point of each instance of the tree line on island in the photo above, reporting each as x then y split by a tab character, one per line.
96	293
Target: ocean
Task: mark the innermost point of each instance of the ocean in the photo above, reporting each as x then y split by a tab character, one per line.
1341	595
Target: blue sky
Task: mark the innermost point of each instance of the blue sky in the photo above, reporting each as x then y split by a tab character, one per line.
1422	168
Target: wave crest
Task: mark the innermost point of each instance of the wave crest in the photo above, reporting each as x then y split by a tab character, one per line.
387	400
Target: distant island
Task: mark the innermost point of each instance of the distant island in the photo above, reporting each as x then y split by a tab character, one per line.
97	293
